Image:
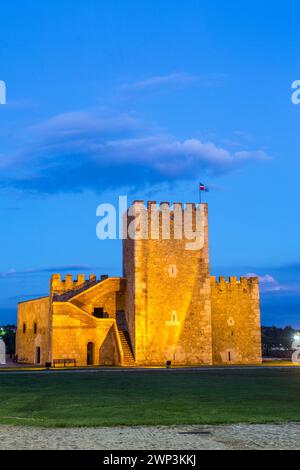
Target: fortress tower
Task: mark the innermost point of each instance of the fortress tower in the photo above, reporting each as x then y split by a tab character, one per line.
168	304
166	307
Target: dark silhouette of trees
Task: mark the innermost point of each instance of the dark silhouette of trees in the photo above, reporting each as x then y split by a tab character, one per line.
277	342
8	334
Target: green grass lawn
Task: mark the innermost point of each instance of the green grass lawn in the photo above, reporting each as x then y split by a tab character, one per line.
150	397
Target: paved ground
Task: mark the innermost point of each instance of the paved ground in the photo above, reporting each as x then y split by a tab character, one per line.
244	436
21	369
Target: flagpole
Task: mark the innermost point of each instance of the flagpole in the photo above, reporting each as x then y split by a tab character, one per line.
204	188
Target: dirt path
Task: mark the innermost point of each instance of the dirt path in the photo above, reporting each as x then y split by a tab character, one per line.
244	436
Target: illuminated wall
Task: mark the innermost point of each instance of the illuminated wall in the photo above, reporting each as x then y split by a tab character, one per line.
33	331
168	298
174	310
236	332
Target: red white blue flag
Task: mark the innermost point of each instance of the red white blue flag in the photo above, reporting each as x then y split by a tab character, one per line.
202	187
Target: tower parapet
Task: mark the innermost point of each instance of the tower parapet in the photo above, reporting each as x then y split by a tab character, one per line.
58	285
165	221
235	320
245	283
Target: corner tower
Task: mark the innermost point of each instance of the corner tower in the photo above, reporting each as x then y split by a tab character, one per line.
236	327
166	263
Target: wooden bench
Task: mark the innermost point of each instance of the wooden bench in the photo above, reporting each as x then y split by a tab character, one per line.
64	362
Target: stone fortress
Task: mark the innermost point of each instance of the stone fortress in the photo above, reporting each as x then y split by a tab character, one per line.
166	307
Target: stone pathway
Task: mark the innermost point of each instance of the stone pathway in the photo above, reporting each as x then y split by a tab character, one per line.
243	436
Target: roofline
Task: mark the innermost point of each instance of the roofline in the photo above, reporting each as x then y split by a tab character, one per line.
90	288
34	300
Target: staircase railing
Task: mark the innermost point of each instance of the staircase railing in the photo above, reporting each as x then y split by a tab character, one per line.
77	290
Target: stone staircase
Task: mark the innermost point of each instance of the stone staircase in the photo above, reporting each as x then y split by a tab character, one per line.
128	359
65	296
71	293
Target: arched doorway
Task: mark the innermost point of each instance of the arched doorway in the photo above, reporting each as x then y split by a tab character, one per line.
90	354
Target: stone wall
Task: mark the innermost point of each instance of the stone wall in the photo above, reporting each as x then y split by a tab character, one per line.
171	290
31	313
58	285
236	334
129	247
73	329
174	310
74	326
109	295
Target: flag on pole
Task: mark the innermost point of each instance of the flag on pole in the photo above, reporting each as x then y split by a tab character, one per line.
204	188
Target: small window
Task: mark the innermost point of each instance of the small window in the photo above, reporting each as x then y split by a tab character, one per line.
174	317
35	328
99	312
229	356
24	328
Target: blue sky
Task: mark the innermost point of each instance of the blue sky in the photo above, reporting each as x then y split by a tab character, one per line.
146	99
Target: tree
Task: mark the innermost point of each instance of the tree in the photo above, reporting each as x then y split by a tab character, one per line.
277	341
8	334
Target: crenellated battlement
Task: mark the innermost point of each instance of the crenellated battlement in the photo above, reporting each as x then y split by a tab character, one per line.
248	283
140	205
58	285
166	220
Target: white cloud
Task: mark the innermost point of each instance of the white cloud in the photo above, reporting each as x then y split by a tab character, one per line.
47	270
160	81
268	283
100	148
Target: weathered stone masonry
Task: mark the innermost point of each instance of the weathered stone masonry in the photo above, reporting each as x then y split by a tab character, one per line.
166	307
